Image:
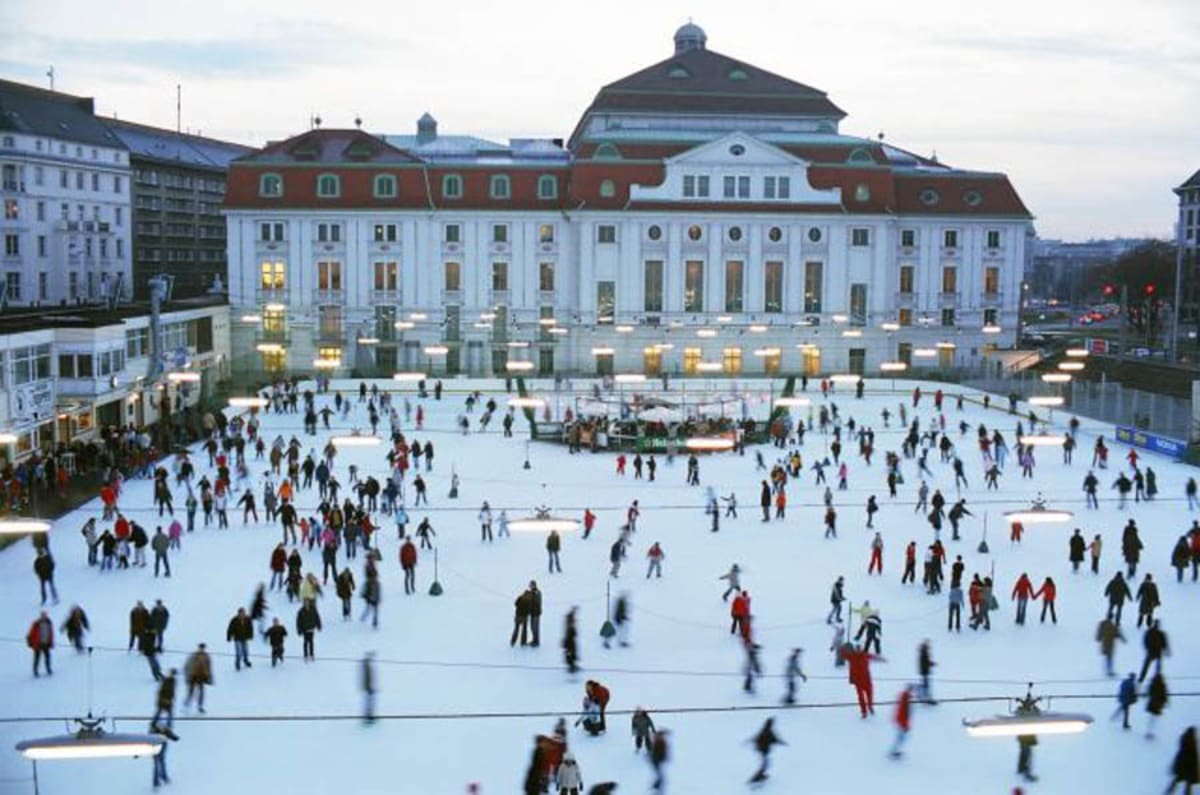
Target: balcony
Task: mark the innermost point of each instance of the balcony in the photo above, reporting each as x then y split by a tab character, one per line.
501	297
991	298
330	296
12	186
330	335
948	299
546	296
279	336
906	299
268	295
452	297
386	297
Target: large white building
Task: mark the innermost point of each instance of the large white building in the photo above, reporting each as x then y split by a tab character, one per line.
705	215
65	187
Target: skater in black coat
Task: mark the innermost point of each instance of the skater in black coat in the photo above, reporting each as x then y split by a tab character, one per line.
1147	598
275	635
1186	768
764	741
1156	645
570	643
1077	549
308	623
1118	594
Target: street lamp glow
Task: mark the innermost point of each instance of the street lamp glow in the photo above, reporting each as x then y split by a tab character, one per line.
275	307
22	526
664	346
547	321
709	443
269	347
543	522
792	402
1056	378
724	318
603	350
924	353
840	318
102	746
368	340
417	316
487	315
1046	400
623	329
436	350
526	403
355	439
852	332
1071	366
247	403
706	333
404	325
327	364
558	330
991	329
518	367
8	438
1042	440
845	378
414	376
708	367
763	352
479	324
189	376
1044	723
1077	353
518	344
890	326
758	328
630	378
893	367
946	346
251	318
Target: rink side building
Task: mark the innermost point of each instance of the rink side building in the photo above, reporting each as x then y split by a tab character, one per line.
704	215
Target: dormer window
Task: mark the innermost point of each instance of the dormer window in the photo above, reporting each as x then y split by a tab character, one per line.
329	186
385	186
606	152
860	156
500	187
608	189
738	74
270	185
678	72
547	187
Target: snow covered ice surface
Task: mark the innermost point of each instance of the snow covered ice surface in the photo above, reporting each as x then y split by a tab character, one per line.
450	654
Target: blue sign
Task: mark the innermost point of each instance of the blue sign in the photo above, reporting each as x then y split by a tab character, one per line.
1150	441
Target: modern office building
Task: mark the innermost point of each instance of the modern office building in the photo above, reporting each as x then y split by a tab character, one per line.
178	186
705	215
65	186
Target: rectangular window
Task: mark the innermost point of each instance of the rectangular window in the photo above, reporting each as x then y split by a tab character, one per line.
693	286
731	361
452	186
329	275
743	187
453	276
948	317
546	276
12	245
905	317
41	211
273	321
387	276
13	281
95	182
689	186
62	178
79	177
949	280
606	233
385	233
499	233
66	366
858	304
991	280
12	211
546	233
452	233
907	276
768	187
813	272
990	316
329	321
116	184
773	287
606	301
83	366
653	286
785	187
729	190
860	237
500	187
39	173
41	245
119	216
43	285
499	276
702	187
691	358
908	238
270	232
120	248
329	233
734	277
993	238
950	238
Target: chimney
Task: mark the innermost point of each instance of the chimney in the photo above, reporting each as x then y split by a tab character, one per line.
426	129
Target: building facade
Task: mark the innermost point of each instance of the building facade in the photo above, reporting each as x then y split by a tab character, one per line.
178	186
65	187
1188	240
65	373
704	215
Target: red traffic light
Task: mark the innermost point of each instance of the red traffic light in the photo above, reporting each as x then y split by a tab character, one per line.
1151	289
1109	290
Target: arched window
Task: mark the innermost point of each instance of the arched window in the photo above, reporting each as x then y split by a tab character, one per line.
452	186
547	187
329	186
270	185
385	186
501	187
860	156
606	152
608	189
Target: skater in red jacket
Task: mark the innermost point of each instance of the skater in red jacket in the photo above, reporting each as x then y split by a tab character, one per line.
41	640
860	676
739	611
876	564
903	721
1022	592
1047	593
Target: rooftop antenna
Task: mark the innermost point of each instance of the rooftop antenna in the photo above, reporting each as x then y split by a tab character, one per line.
178	108
881	135
358	122
50	74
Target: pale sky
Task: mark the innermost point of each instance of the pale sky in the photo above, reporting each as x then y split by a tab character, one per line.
1092	107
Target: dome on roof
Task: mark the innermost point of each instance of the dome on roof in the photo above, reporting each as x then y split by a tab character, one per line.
690	37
